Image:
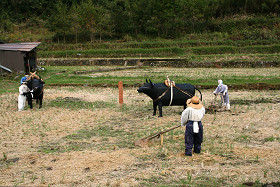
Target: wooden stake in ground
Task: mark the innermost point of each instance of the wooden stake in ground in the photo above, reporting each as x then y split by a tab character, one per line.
120	93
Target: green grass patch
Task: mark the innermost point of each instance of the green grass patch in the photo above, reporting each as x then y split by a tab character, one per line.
269	49
234	57
76	103
243	138
189	180
9	86
271	139
71	103
251	102
182	43
61	148
184	48
173	51
162	52
82	139
101	131
65	75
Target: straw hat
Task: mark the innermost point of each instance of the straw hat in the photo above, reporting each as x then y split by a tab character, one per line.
194	102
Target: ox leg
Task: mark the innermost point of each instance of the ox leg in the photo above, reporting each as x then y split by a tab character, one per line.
155	108
40	104
160	109
29	99
41	101
30	103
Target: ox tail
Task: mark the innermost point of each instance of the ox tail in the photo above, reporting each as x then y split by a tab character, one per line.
199	93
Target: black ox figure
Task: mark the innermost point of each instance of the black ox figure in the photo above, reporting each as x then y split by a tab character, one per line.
163	95
37	91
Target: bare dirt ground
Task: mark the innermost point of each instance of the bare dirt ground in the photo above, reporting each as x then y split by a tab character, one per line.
81	137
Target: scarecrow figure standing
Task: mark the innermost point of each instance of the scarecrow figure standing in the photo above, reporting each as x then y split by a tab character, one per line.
23	90
191	117
222	89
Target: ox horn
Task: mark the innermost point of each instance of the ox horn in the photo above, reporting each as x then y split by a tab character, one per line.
151	82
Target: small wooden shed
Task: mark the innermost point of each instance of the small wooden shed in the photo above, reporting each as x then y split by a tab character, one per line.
19	57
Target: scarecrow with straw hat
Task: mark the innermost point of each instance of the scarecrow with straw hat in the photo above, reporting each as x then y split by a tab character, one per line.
191	117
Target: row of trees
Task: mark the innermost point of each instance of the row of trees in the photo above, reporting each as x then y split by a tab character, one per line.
118	18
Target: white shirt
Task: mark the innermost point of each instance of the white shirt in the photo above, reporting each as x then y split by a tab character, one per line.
222	88
23	89
191	114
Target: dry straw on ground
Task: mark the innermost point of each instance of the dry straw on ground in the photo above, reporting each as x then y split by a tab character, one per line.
239	146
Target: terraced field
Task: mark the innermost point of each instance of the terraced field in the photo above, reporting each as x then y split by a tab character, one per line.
197	50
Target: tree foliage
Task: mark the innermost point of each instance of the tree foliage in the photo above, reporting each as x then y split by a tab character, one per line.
100	19
60	20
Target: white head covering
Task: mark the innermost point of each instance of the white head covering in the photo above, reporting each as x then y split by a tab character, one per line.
220	82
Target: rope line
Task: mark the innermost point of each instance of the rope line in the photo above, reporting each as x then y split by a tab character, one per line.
185	92
159	97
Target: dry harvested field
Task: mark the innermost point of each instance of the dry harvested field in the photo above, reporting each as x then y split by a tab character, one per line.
82	137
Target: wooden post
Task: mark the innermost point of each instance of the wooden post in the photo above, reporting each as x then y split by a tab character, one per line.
120	93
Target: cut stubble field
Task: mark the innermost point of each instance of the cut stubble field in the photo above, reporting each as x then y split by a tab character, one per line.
82	137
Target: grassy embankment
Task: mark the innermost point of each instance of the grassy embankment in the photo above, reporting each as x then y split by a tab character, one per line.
191	50
217	46
65	75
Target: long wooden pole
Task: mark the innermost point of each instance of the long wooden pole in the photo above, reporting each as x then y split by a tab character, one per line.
120	85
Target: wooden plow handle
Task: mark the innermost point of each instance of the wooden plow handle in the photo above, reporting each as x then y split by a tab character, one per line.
161	132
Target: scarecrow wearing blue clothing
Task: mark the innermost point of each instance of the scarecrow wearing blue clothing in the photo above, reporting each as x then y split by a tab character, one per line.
23	79
191	117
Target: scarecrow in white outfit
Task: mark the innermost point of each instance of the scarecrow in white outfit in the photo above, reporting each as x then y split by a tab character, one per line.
23	90
191	117
222	90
